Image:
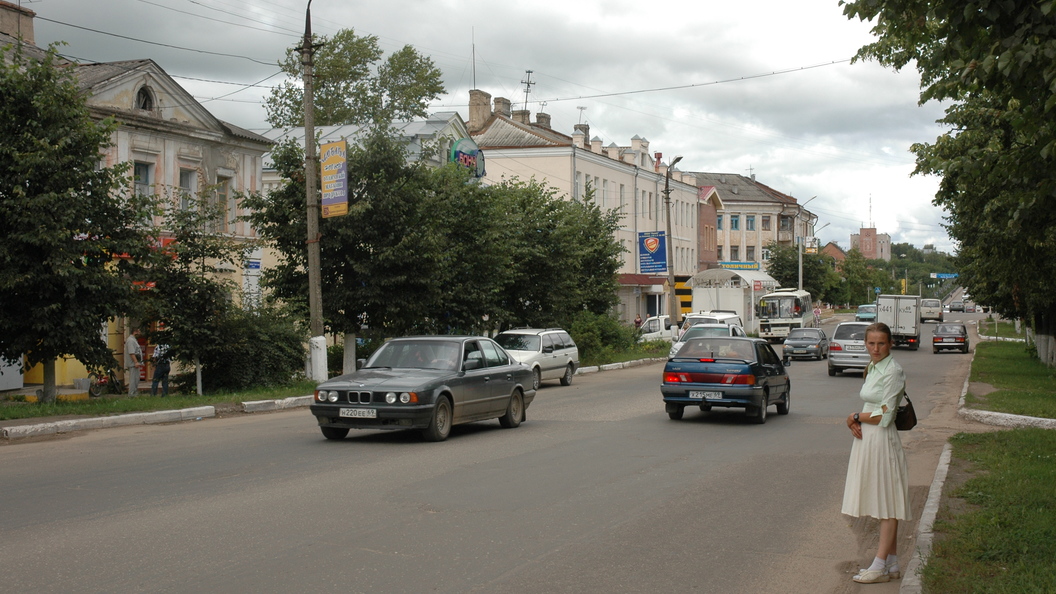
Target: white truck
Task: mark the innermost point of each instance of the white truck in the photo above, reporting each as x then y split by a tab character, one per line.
901	313
658	328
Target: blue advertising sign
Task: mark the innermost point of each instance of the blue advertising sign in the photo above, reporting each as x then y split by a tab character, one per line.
652	252
943	275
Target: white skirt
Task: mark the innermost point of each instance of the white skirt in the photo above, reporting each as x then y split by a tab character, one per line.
877	475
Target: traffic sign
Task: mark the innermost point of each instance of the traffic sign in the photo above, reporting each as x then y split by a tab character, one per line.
876	290
943	275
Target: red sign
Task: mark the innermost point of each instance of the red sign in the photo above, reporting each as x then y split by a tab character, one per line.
757	285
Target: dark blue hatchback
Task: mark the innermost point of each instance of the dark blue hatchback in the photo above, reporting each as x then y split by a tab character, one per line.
726	372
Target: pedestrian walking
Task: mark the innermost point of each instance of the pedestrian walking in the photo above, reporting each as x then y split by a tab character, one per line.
161	370
133	361
877	475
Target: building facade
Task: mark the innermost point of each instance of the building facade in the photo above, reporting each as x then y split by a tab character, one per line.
872	245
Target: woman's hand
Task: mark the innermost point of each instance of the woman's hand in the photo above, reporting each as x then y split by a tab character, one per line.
854	426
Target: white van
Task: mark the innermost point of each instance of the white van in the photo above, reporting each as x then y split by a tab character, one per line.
658	328
718	316
930	309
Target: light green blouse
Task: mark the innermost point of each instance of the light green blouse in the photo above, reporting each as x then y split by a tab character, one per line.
885	383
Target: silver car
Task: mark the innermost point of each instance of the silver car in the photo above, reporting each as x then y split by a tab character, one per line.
847	348
703	330
806	342
550	352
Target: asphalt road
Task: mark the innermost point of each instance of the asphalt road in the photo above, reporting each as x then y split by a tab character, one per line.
598	491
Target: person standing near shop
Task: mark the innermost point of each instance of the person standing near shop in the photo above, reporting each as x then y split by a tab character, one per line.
877	475
133	361
161	370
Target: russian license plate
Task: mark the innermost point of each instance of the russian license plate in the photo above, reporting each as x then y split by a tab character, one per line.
798	351
359	413
949	340
706	395
855	347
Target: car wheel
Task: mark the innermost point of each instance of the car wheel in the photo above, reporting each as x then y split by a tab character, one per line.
537	378
514	411
334	432
760	412
826	354
676	413
935	351
782	407
566	380
965	349
440	425
832	371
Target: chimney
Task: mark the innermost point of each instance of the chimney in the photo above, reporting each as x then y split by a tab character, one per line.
17	21
595	145
585	129
542	120
636	143
522	116
502	106
579	140
479	110
613	151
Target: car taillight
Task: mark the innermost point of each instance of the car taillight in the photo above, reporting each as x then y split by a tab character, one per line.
835	346
738	378
675	378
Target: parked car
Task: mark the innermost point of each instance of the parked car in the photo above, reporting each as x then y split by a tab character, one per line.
930	309
847	348
950	337
866	313
806	342
956	306
730	318
550	352
726	372
702	330
429	383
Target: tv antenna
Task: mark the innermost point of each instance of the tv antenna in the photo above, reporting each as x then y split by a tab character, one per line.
527	82
581	110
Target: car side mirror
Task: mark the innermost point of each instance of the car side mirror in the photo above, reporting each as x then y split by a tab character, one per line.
360	363
786	360
472	364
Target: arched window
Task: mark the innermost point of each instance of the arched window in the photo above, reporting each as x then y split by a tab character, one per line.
144	99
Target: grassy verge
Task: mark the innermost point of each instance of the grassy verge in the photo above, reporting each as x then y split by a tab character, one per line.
1024	385
996	531
1000	329
109	405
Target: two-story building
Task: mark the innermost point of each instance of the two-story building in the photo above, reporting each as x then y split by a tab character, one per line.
628	178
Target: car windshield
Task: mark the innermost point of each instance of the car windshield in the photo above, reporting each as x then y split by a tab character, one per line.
417	354
950	329
804	333
866	309
714	347
856	332
699	332
518	342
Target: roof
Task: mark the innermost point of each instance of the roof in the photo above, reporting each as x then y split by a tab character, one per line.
641	280
733	187
727	277
500	131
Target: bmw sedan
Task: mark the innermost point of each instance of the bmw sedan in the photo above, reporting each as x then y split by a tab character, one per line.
429	383
726	372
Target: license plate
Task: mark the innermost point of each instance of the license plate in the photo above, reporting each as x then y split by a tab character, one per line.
798	351
359	413
706	395
855	347
949	340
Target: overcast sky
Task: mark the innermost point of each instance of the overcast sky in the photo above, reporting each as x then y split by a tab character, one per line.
761	86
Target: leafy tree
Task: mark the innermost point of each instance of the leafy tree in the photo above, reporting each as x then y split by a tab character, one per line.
352	85
783	266
994	62
62	219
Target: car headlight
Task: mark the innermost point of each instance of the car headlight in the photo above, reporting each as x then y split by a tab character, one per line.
332	397
390	398
405	397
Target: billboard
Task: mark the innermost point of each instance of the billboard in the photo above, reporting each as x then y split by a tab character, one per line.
334	178
652	252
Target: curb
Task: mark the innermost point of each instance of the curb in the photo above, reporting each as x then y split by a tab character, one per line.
147	418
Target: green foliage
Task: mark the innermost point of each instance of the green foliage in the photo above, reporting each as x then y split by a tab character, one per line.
255	348
819	279
352	85
994	62
599	336
62	218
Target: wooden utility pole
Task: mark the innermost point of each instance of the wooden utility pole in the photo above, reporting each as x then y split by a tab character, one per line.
311	171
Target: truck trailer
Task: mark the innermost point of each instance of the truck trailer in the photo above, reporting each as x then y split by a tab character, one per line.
901	313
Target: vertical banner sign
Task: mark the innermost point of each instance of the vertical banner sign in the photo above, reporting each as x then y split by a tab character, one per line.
334	179
652	252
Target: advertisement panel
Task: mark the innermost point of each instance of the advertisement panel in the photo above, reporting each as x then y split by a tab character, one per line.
334	178
652	252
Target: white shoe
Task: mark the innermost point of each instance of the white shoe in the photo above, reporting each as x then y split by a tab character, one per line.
871	576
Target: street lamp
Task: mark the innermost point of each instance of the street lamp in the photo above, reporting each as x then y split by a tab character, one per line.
672	303
799	242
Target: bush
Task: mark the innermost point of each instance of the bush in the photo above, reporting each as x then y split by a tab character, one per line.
261	348
598	336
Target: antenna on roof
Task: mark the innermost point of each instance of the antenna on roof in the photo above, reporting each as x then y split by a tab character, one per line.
473	37
581	110
527	82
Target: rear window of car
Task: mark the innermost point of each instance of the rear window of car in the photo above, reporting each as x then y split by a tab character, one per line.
931	303
954	329
849	333
698	332
718	348
518	342
804	333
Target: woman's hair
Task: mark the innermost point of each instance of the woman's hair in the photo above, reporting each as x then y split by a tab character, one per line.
881	328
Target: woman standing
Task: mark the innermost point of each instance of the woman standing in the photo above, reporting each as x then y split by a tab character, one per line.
877	476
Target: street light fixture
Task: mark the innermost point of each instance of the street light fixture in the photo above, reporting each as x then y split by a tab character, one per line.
799	242
672	303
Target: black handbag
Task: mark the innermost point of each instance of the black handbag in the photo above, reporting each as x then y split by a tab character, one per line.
906	417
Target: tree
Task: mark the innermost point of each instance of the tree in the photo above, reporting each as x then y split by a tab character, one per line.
353	86
783	266
994	62
62	220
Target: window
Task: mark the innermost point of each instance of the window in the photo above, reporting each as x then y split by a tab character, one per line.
718	222
144	182
718	253
766	222
623	198
786	223
749	253
735	253
144	99
188	187
735	222
749	223
226	204
766	255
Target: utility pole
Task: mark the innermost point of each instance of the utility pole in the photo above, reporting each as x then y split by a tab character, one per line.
311	171
673	300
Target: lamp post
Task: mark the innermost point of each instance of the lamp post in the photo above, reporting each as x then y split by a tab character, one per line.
672	303
799	242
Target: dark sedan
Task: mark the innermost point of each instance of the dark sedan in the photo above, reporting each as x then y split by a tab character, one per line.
429	383
726	372
806	342
953	337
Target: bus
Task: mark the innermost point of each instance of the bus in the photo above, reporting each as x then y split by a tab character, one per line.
782	310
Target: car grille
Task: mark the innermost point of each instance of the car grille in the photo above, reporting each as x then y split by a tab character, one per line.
355	397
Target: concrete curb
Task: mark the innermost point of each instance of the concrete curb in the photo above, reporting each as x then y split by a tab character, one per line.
147	418
266	405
